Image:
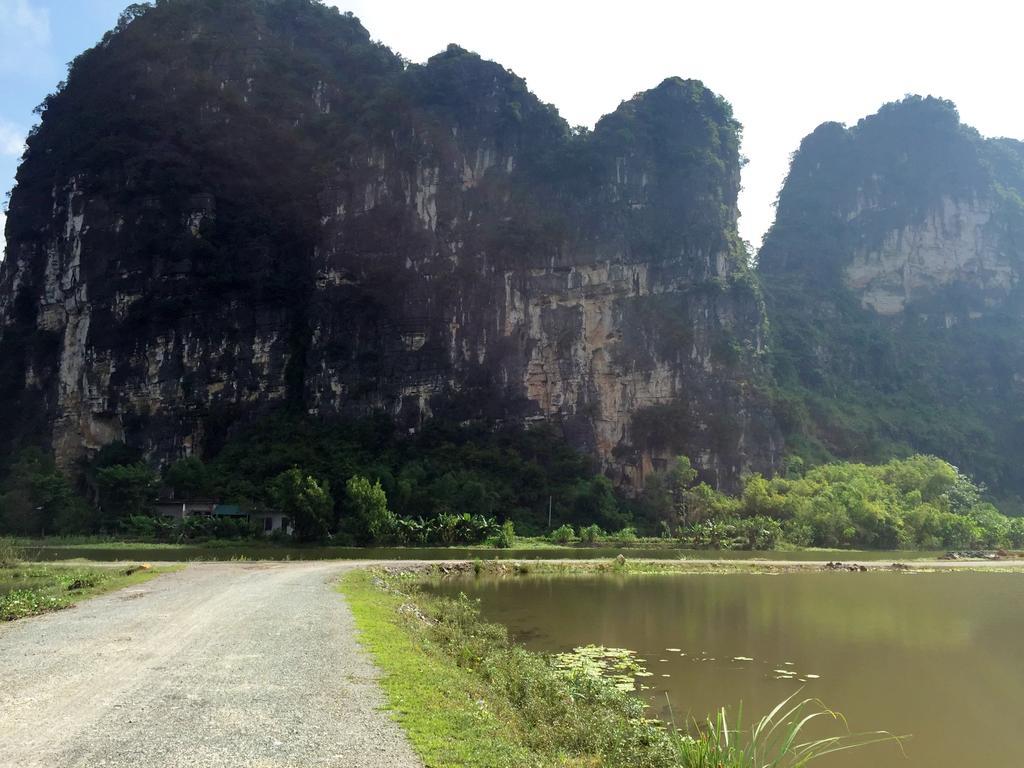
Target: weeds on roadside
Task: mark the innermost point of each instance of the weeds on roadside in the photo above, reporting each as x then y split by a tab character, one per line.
34	589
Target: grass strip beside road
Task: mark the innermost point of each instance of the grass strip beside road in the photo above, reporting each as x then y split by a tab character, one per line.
32	589
443	708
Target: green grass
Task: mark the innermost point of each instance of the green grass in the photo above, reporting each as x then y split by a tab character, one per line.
29	589
438	704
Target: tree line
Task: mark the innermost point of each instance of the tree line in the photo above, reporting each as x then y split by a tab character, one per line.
365	482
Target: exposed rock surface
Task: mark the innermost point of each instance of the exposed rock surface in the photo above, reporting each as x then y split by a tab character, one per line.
239	204
953	246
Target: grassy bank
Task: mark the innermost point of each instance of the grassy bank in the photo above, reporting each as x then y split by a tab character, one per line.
467	696
32	589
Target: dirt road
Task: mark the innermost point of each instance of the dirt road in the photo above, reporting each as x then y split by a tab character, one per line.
217	665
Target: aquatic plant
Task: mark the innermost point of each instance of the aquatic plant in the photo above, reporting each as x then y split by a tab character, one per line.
775	741
619	665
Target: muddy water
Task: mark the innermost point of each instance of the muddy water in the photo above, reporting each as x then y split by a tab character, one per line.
939	656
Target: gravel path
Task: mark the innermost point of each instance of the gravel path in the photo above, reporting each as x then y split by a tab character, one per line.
216	665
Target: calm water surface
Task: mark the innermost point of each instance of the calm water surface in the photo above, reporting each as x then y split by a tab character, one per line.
939	656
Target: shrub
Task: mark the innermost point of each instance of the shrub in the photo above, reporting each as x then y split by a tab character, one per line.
9	554
506	538
626	536
1015	535
369	503
306	502
759	532
147	527
591	534
562	535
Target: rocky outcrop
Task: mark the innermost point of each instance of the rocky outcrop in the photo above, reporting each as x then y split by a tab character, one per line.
955	245
238	205
892	275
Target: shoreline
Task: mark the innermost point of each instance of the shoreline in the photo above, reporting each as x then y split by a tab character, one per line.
639	566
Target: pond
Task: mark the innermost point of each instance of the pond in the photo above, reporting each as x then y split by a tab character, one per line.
938	656
236	550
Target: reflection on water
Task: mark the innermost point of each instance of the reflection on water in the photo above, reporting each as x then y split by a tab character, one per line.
936	655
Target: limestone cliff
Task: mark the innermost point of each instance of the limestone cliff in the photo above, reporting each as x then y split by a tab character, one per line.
236	205
893	273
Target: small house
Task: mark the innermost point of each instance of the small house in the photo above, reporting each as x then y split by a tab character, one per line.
266	521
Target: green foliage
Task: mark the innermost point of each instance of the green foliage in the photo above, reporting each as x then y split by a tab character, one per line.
666	500
937	378
125	490
475	469
506	536
34	589
1015	534
759	532
554	712
626	536
188	478
591	534
10	556
306	502
595	502
921	501
446	529
368	502
194	528
562	535
36	498
777	740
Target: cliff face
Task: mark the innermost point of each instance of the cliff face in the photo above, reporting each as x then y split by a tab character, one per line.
893	275
235	205
955	245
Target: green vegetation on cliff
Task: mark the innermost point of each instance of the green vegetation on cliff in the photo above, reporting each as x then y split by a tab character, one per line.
935	371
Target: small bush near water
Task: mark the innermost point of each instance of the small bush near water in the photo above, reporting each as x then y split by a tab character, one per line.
9	554
563	535
543	712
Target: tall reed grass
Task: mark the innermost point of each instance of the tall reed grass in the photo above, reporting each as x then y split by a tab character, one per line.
780	739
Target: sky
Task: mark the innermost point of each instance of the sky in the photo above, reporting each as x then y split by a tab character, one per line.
786	66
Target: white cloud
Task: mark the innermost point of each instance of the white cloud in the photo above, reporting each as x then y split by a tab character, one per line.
25	36
12	139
